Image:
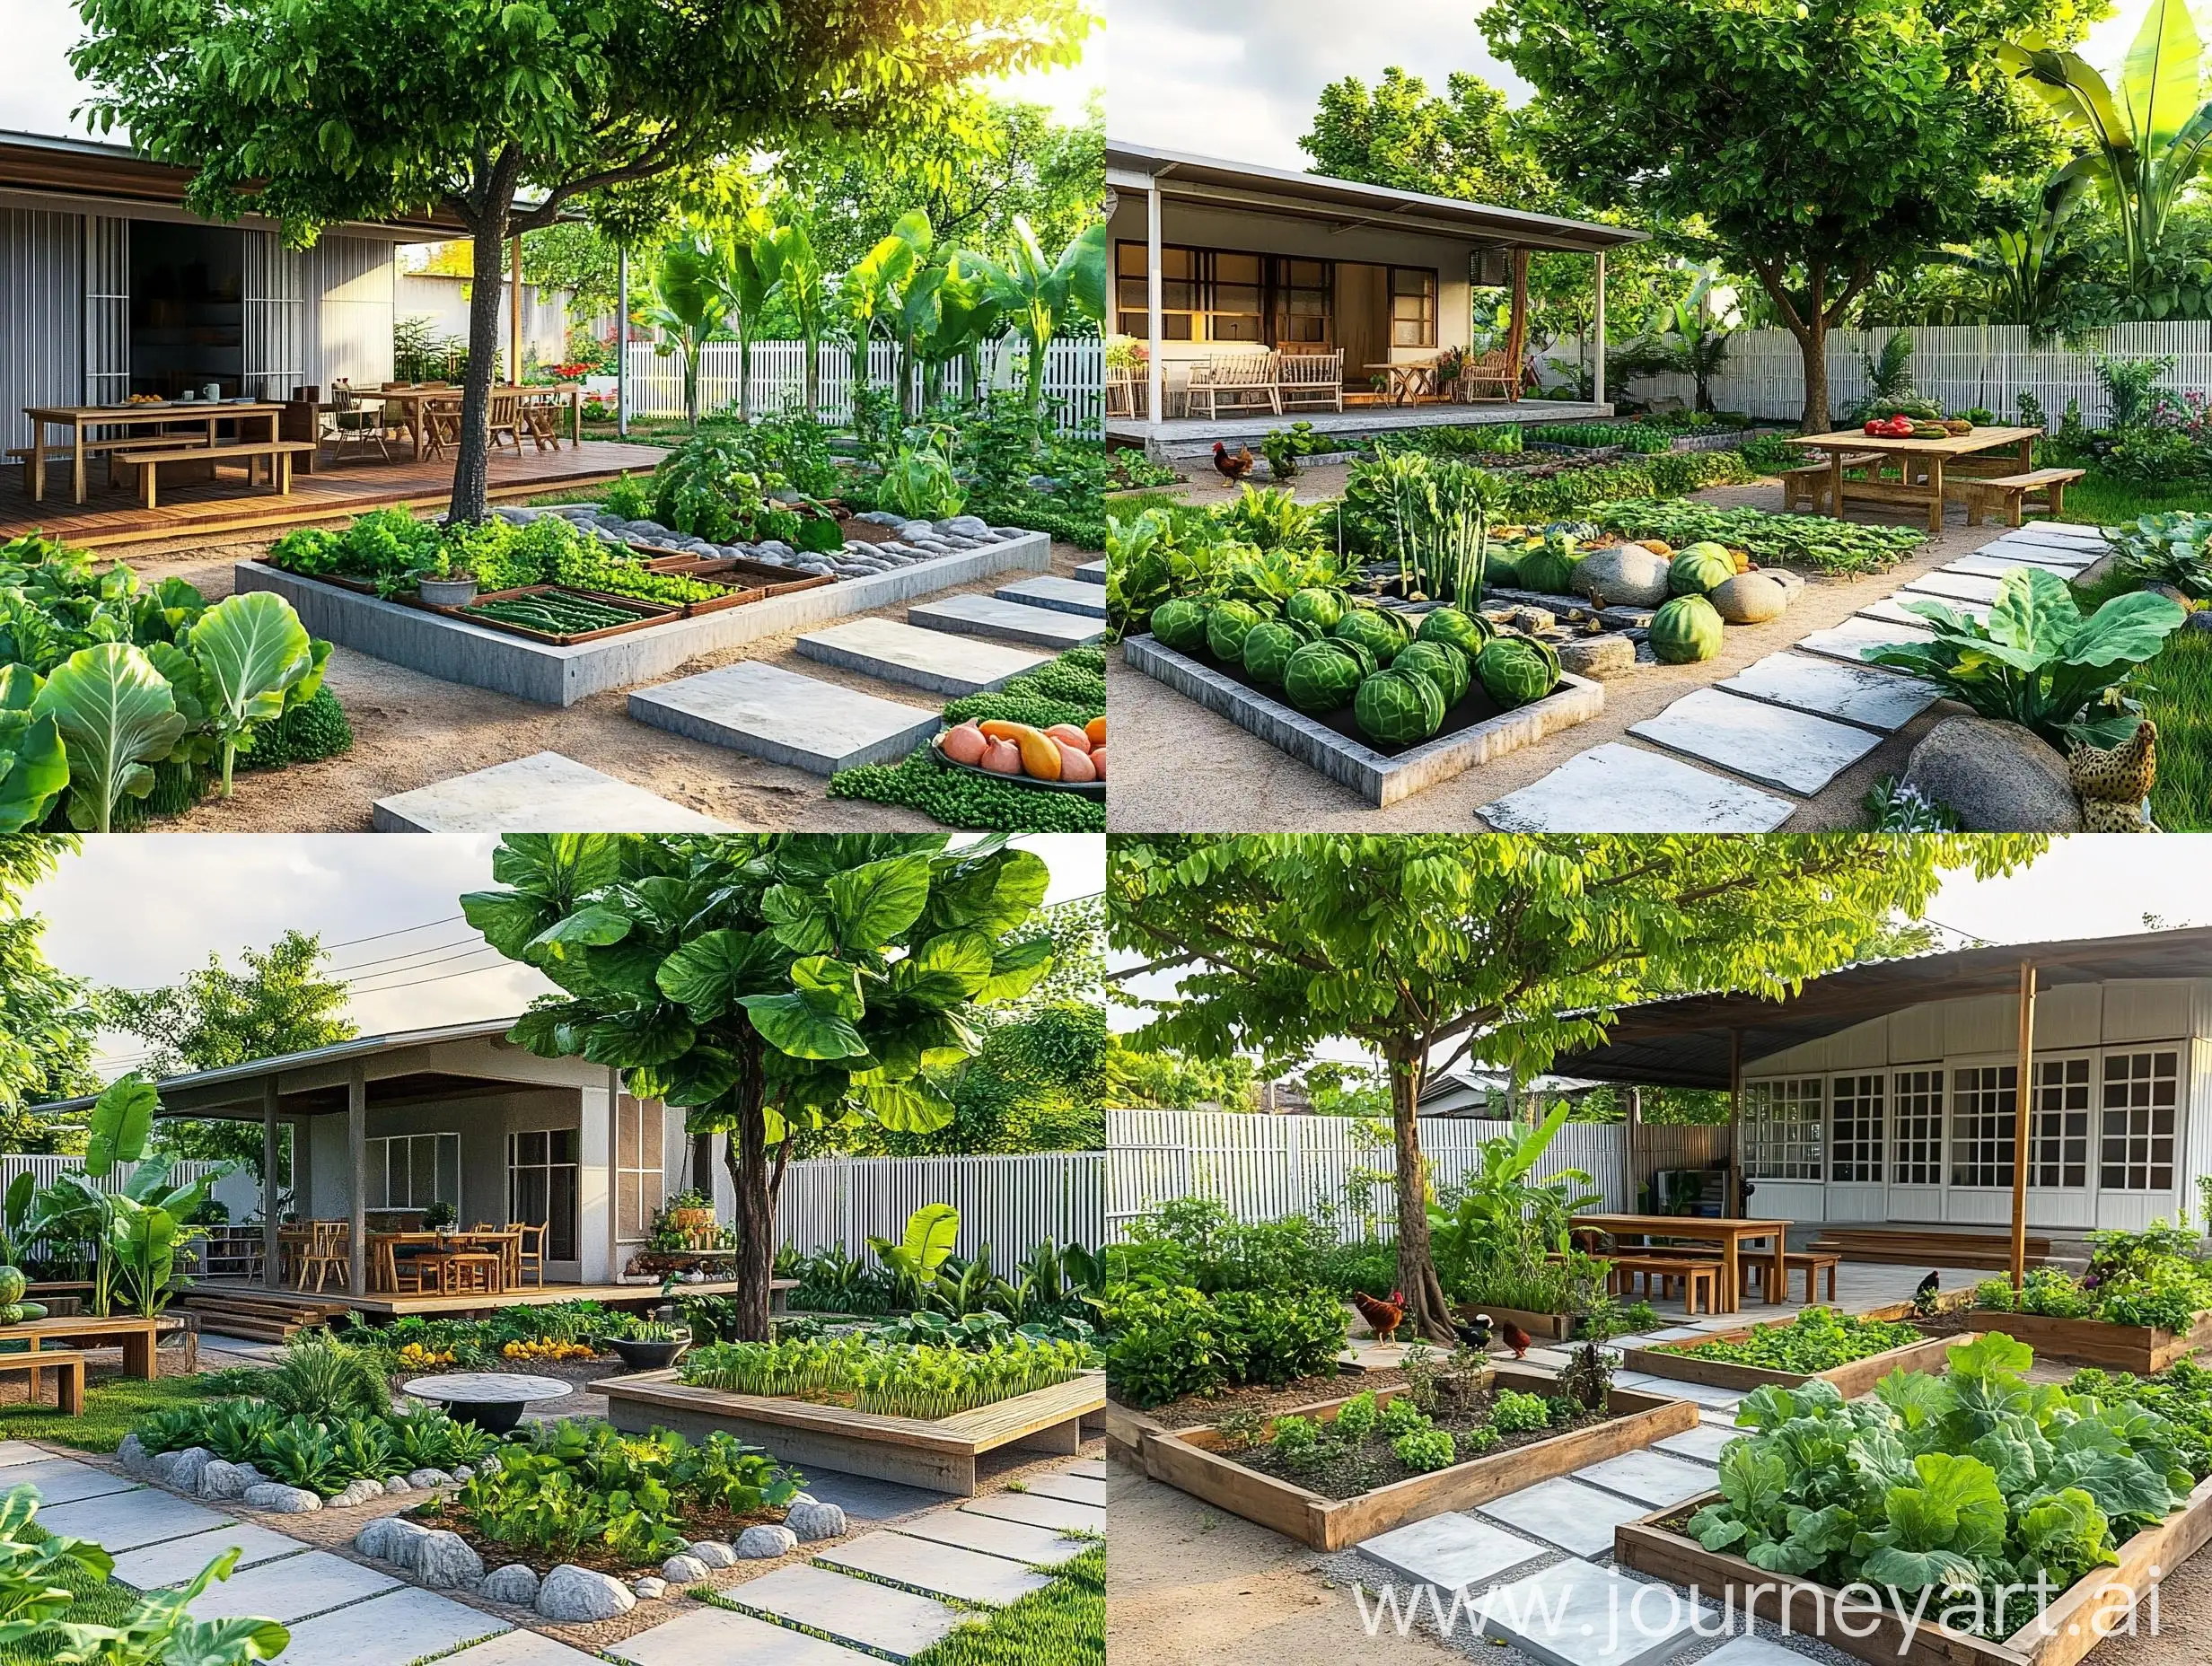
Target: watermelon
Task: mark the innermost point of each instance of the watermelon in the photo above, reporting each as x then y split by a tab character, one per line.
1686	630
1515	671
1179	624
1466	632
1399	708
1320	609
1448	666
13	1284
1381	634
1699	568
1502	566
1321	677
1268	648
1225	625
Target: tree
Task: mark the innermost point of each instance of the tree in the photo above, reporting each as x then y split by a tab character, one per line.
1042	296
1510	949
47	1022
510	116
802	288
689	305
1461	144
1161	1078
1816	142
769	985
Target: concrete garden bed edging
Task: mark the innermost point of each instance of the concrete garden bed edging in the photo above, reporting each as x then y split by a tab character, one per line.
453	649
2139	1349
1381	780
1852	1378
1186	1459
2064	1633
940	1454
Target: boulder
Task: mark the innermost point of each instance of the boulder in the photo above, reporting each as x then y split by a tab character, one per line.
513	1584
575	1593
1995	777
395	1485
757	1543
1748	598
221	1479
463	1472
391	1538
684	1570
2201	619
279	1499
1789	580
713	1552
810	1519
356	1493
1625	574
427	1477
181	1470
1531	621
445	1561
650	1588
1601	656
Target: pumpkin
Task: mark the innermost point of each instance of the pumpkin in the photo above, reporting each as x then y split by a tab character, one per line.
1095	731
965	744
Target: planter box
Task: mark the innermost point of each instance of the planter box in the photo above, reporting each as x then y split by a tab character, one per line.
939	1454
1543	1327
2140	1348
1852	1378
1186	1460
2065	1632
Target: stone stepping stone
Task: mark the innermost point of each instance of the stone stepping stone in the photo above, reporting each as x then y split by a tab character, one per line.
1580	1520
921	659
784	717
524	1648
1075	1489
1624	789
1093	571
176	1560
1892	610
1550	1359
1651	1479
395	1629
125	1521
63	1480
1770	744
1038	1512
895	1623
1673	1333
20	1451
1847	640
1450	1552
1753	1650
1096	1468
1952	586
1041	1547
544	792
1995	562
864	1498
2061	531
713	1636
1674	1388
1060	595
1874	697
291	1590
2051	551
936	1570
1575	1614
1703	1442
1012	621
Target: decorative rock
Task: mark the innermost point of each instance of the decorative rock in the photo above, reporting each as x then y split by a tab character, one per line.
684	1570
181	1470
1531	621
445	1561
650	1588
356	1493
221	1479
1625	619
133	1456
1995	777
513	1584
1748	598
395	1485
1608	655
757	1543
1626	573
713	1552
2201	619
810	1520
577	1593
279	1499
391	1538
427	1477
1789	580
463	1472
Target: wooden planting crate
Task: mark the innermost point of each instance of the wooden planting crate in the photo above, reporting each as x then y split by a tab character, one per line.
2076	1620
1852	1378
1190	1461
2142	1349
647	613
937	1453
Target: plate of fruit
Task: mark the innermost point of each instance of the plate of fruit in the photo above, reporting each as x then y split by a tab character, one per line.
1063	758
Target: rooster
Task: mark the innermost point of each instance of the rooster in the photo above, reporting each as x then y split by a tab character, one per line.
1516	1338
1475	1336
1232	467
1382	1317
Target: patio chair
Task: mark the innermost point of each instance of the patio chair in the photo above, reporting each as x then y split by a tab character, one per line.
326	1252
507	418
351	422
526	1259
1127	393
1493	369
1310	379
1239	376
542	420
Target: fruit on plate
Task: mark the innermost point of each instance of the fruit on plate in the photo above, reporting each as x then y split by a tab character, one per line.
965	744
1076	763
1399	708
1321	677
1095	731
1958	425
1180	623
1067	734
1698	568
1098	761
1064	752
1688	629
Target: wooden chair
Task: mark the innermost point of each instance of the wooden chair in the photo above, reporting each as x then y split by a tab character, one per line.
352	422
1239	376
1492	369
326	1252
441	420
527	1259
1310	379
542	420
507	418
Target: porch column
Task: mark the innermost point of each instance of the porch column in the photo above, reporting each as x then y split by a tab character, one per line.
614	1176
2022	1095
1155	373
622	341
1517	330
1597	385
271	1269
514	307
357	1190
1735	1122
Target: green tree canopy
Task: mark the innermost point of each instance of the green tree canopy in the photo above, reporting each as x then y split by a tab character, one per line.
47	1021
1398	133
1426	948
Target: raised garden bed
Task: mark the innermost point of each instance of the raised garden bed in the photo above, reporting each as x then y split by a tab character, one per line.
1851	1379
2073	1625
2139	1349
1543	1327
939	1453
1190	1461
559	615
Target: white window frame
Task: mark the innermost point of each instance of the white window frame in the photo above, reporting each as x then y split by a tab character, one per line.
1997	1121
1783	1127
1913	1162
390	1140
1862	1153
2048	1110
2146	1143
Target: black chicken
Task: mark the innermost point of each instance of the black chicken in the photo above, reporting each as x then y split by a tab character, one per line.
1475	1336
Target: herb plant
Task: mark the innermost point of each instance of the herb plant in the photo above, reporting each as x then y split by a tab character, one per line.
892	1381
1818	541
1816	1341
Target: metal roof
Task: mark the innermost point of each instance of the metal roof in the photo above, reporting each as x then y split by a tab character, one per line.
1684	1042
1235	185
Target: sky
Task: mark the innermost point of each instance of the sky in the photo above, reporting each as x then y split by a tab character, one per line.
138	910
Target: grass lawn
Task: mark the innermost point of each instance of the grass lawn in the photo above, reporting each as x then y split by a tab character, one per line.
2179	700
2097	499
112	1409
1063	1625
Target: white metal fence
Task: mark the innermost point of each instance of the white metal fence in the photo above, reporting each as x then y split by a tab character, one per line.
1011	1202
1961	367
45	1171
1262	1168
1075	377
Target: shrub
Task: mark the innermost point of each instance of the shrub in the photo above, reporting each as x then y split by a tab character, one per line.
1425	1450
1276	1336
1517	1414
1163	1344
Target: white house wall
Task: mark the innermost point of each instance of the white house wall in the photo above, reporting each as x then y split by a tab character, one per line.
41	313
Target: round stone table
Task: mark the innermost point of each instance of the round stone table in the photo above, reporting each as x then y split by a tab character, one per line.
493	1400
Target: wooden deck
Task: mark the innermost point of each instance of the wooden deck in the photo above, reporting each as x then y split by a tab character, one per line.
1190	437
111	515
209	1294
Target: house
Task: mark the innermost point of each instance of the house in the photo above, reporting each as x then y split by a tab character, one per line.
1887	1093
1213	258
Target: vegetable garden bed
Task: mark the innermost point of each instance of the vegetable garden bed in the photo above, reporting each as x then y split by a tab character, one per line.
2140	1348
1851	1377
1191	1461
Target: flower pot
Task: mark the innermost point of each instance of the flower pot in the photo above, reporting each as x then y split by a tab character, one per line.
647	1355
446	592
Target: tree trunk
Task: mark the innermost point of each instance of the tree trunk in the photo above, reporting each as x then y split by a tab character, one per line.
813	376
746	1157
1812	344
472	458
744	377
1428	1312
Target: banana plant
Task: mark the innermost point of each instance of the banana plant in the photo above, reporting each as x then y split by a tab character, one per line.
916	320
35	1570
969	311
2026	267
1041	296
796	270
688	305
116	716
34	765
749	276
159	1630
868	293
921	1251
148	1222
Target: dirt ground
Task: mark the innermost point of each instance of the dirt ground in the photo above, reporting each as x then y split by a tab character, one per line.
411	730
1184	770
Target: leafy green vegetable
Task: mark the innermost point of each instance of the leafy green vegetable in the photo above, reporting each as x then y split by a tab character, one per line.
1816	1341
1818	541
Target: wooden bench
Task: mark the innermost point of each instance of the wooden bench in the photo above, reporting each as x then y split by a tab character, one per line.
2008	493
113	449
1807	484
278	454
66	1362
1811	1262
1695	1274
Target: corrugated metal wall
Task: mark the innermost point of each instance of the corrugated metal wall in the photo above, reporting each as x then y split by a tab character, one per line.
42	314
349	332
276	317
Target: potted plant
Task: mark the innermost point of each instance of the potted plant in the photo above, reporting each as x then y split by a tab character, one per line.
449	582
691	1212
652	1345
438	1216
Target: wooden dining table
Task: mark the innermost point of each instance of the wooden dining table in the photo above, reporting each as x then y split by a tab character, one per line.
1920	464
1408	383
416	402
181	415
1729	1232
138	1337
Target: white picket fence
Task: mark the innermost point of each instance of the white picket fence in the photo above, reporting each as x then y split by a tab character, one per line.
1075	377
45	1171
1263	1167
1011	1202
1961	367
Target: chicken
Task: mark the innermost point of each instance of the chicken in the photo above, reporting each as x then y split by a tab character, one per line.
1516	1338
1382	1317
1926	1288
1475	1336
1234	467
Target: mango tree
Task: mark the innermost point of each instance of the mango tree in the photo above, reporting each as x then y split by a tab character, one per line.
769	985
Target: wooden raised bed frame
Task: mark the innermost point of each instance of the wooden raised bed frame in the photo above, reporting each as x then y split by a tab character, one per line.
2139	1349
1852	1378
1188	1460
938	1453
2065	1632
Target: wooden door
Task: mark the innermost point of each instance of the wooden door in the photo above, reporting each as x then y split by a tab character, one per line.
1363	319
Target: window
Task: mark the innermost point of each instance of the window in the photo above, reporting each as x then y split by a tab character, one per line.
542	1187
1855	1153
1982	1108
1305	295
1235	308
2140	1092
2059	1124
1226	295
407	1170
640	1166
1782	1129
1413	307
1918	1124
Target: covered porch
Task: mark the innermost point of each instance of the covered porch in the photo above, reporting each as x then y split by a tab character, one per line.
1183	437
